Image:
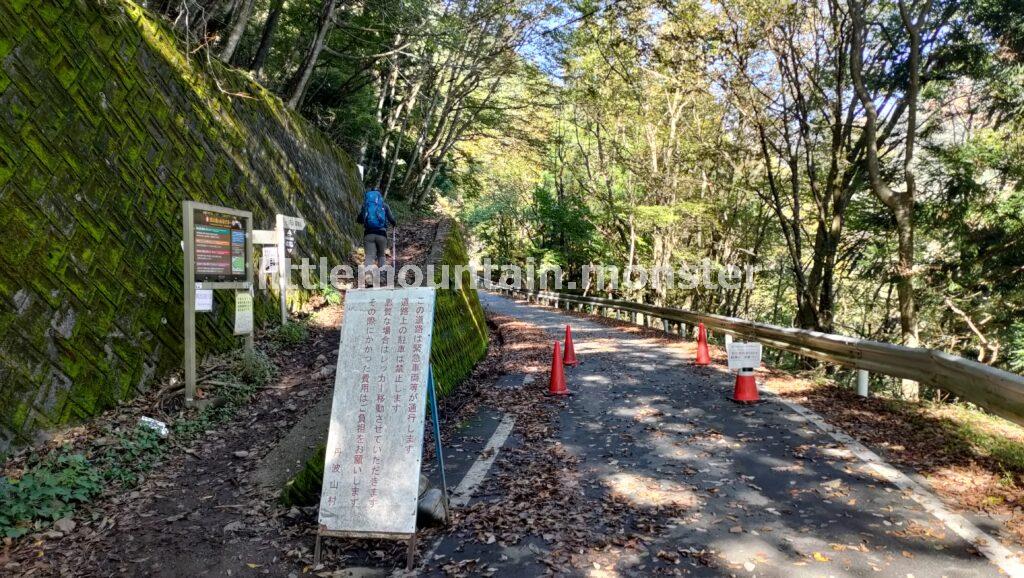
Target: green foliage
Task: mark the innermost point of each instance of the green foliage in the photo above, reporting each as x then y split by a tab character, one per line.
1007	451
47	492
132	454
460	335
247	374
646	152
253	368
1016	344
293	333
50	489
330	294
304	489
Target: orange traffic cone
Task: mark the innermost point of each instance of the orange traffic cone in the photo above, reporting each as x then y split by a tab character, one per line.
703	357
557	384
745	390
570	351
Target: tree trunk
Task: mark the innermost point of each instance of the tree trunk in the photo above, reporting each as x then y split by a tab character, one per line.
301	79
237	30
267	37
901	205
905	275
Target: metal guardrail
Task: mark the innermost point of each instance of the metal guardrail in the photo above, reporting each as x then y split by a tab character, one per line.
998	391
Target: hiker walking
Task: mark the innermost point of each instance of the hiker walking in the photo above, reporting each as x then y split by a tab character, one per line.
375	216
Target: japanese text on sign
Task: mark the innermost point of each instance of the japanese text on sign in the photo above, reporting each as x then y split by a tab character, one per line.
375	442
744	355
219	246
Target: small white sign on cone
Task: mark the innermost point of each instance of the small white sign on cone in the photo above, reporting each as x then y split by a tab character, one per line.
744	355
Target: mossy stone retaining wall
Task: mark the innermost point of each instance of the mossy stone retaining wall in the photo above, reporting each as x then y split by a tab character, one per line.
105	127
460	330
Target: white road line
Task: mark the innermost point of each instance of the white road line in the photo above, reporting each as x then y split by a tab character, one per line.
478	471
476	474
998	554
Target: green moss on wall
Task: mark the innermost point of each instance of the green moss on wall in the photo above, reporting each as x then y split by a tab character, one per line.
304	489
460	330
105	127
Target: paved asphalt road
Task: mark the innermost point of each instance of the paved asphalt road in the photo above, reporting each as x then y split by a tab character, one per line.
772	495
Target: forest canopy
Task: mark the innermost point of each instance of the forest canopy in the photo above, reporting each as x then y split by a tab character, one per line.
865	157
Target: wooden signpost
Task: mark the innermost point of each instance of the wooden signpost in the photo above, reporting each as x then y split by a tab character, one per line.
217	243
375	442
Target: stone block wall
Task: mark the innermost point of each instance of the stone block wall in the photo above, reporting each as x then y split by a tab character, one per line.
105	127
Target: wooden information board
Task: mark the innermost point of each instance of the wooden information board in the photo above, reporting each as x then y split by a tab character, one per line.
375	442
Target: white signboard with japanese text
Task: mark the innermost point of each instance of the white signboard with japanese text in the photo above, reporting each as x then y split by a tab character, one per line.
744	355
375	441
204	300
294	223
243	313
268	265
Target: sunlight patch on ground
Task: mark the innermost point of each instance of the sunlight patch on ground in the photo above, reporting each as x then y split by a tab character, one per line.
601	346
329	317
605	562
650	492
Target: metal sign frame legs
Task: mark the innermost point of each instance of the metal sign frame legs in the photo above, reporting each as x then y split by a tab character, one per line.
436	419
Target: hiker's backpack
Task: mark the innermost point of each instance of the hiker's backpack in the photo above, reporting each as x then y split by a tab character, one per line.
374	216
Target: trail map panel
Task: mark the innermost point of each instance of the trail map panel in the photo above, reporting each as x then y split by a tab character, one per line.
219	246
375	442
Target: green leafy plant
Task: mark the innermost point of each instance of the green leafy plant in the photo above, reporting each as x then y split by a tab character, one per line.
1015	357
52	487
248	372
289	334
48	491
330	294
134	453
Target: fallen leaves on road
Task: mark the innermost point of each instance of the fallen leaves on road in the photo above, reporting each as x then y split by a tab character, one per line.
928	438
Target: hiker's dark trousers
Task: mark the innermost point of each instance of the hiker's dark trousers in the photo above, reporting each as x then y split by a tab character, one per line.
375	246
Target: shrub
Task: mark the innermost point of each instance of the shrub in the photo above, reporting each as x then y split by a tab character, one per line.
252	368
289	334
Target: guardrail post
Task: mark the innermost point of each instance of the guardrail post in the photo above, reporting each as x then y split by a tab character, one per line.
862	382
682	329
664	325
728	341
